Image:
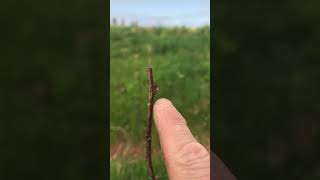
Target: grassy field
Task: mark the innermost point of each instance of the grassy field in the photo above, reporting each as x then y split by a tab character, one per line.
180	58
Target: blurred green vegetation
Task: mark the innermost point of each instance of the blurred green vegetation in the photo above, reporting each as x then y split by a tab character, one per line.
123	169
180	58
52	92
266	114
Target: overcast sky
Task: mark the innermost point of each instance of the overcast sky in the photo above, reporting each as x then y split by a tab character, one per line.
191	13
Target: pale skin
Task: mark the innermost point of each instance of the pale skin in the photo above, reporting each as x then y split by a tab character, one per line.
185	158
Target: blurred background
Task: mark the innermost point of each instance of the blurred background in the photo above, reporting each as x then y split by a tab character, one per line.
267	66
52	92
178	47
52	95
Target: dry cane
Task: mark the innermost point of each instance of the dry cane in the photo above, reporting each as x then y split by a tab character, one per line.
152	92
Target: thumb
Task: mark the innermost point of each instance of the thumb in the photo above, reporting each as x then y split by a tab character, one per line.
185	158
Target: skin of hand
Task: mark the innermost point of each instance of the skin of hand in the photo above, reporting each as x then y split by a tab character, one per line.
185	158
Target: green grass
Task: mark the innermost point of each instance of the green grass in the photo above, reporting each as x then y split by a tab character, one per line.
123	169
180	59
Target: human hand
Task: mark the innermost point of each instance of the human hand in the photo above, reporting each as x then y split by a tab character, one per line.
184	157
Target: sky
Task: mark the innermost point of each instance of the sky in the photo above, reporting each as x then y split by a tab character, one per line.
190	13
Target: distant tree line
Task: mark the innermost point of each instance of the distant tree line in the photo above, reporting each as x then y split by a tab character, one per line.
115	22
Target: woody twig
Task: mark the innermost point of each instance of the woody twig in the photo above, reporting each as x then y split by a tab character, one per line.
152	92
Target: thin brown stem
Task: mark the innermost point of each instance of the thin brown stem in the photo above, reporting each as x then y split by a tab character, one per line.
152	92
